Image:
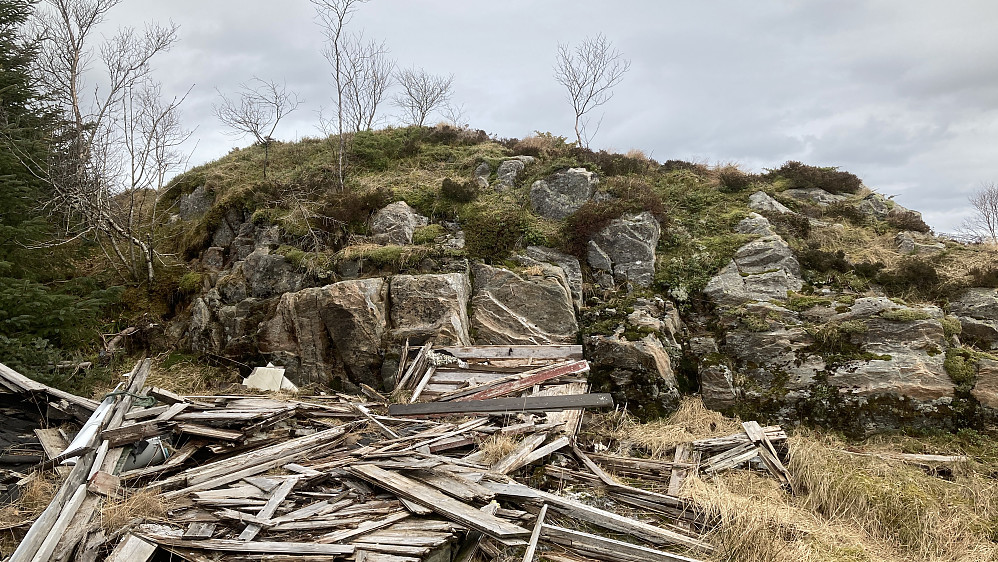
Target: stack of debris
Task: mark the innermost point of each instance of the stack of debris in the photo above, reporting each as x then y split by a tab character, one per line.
337	477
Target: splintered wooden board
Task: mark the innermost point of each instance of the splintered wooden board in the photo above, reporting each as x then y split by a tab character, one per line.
441	503
525	404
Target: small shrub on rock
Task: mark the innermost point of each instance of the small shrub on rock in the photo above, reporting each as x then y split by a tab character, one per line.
981	277
802	176
911	275
459	192
903	219
816	259
790	224
733	180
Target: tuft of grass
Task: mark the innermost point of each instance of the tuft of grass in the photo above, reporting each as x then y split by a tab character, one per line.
951	326
387	257
427	234
496	446
145	504
904	315
800	303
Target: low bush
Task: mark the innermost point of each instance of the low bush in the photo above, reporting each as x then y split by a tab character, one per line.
981	277
903	219
816	259
541	145
493	229
802	176
459	191
913	275
733	180
790	224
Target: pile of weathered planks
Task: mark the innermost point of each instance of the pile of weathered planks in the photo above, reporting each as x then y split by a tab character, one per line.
474	460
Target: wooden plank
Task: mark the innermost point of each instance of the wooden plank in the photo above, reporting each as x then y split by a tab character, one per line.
210	432
128	434
528	555
172	411
422	383
613	521
45	550
28	385
132	549
514	458
199	531
143	413
767	452
441	503
592	466
474	538
540	453
607	549
523	383
228	545
363	528
53	443
278	497
683	453
415	369
104	484
524	404
515	351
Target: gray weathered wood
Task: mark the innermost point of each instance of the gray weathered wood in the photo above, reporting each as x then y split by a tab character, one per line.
278	496
528	555
441	503
525	404
132	549
606	548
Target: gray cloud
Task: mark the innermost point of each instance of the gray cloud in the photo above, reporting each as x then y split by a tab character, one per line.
900	92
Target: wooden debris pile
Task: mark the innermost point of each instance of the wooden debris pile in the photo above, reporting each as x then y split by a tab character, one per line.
457	469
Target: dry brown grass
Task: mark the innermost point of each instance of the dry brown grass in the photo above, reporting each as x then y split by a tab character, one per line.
496	446
851	508
859	244
144	504
189	376
659	438
35	497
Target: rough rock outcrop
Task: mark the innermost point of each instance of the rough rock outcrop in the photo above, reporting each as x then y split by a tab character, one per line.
563	193
764	269
570	266
195	203
762	202
482	173
508	172
335	331
395	224
986	389
526	309
815	195
625	250
425	307
268	275
638	373
977	309
875	206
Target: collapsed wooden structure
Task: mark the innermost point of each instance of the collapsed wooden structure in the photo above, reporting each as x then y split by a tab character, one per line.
424	478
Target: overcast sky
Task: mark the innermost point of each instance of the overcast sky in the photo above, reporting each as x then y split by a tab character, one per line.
902	93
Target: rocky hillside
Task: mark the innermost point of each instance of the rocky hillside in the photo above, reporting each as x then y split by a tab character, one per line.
798	294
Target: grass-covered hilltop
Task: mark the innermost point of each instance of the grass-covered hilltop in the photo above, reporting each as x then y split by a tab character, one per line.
701	294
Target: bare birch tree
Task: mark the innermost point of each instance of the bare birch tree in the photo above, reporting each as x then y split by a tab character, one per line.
368	73
113	139
422	93
984	222
259	109
333	16
589	72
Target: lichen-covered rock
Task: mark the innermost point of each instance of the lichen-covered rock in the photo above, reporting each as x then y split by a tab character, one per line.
333	332
815	195
755	224
482	173
425	307
638	373
227	228
986	389
510	170
625	249
563	193
977	309
908	374
213	259
395	224
764	269
204	334
239	325
570	266
269	275
195	203
762	202
875	206
522	309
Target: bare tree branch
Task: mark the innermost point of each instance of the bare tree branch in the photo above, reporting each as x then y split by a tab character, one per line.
422	93
589	72
116	139
333	16
257	112
368	73
984	223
